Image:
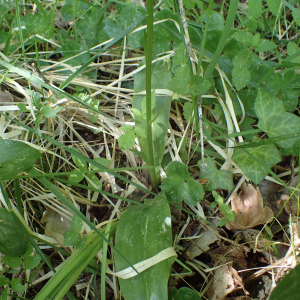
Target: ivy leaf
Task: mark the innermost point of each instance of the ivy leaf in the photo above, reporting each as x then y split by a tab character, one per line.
199	85
267	154
218	179
180	82
179	186
274	120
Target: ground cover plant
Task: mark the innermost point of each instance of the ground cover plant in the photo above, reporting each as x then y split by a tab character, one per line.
149	150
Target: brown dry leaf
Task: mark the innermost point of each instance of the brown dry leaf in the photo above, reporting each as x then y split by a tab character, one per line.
226	279
249	209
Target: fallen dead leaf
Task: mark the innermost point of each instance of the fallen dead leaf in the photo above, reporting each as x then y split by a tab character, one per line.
249	209
225	280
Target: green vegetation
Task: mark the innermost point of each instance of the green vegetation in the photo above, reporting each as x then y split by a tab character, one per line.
127	130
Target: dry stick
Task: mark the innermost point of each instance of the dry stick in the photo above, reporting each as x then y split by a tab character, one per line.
193	59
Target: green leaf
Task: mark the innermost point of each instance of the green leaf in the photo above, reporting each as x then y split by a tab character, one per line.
199	85
222	222
243	37
4	281
180	82
183	293
265	46
71	48
187	110
180	58
293	48
68	12
76	223
242	59
75	177
12	262
12	242
71	238
49	112
274	120
274	6
37	24
240	77
143	232
127	140
79	162
288	287
218	179
32	262
16	285
267	154
255	8
16	157
229	214
179	186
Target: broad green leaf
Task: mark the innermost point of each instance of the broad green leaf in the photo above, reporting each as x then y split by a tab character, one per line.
243	37
71	238
198	85
274	120
272	84
37	24
12	242
180	82
274	6
16	157
288	287
268	155
80	163
293	48
4	281
265	46
242	59
218	179
240	77
75	177
180	58
291	80
183	293
32	262
296	17
290	98
187	110
76	223
71	48
143	232
179	186
16	285
4	294
49	112
68	12
127	140
13	262
255	8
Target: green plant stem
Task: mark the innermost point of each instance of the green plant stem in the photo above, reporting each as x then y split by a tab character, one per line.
148	51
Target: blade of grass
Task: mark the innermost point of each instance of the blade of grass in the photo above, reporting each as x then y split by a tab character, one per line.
103	266
228	25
